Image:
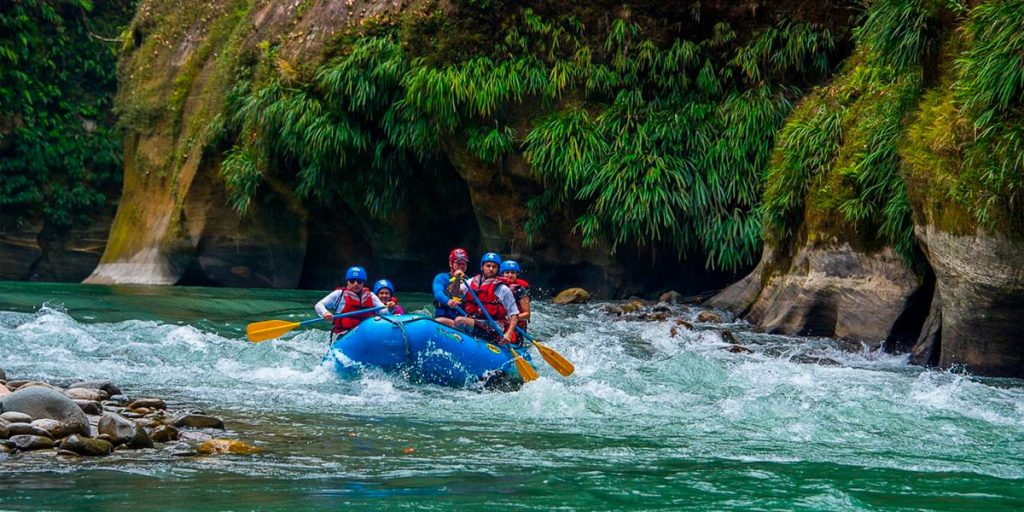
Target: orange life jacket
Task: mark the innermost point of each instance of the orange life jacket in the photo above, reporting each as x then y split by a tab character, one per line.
352	302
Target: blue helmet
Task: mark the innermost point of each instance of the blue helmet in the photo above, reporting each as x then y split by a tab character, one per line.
383	283
355	273
491	257
510	265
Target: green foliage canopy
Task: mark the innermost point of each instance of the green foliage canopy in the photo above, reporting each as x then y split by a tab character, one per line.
60	156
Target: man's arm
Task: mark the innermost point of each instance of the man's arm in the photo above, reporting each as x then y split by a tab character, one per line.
328	304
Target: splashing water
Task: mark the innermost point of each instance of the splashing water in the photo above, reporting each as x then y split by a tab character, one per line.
649	421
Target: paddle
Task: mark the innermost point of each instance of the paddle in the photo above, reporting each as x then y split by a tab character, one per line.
525	370
559	363
270	329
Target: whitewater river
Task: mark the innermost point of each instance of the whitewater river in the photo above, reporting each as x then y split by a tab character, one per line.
650	421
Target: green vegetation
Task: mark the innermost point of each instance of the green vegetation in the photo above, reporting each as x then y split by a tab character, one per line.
989	90
60	156
838	155
661	143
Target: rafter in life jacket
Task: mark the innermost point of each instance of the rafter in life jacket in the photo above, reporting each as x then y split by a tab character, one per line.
350	301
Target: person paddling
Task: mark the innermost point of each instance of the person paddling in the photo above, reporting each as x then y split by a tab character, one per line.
352	297
385	291
497	300
510	271
447	288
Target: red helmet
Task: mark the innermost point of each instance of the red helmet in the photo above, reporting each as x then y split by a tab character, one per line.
458	254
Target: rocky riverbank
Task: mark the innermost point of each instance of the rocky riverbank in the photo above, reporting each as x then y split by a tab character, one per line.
96	418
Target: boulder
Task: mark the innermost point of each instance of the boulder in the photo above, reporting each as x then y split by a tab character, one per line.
103	385
198	421
123	431
39	402
90	407
147	403
226	446
671	297
709	317
16	417
572	296
15	384
86	446
29	442
164	434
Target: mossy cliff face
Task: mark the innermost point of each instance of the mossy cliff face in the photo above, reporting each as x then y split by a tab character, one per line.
936	261
179	63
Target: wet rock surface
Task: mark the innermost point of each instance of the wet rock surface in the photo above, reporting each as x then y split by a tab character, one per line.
572	296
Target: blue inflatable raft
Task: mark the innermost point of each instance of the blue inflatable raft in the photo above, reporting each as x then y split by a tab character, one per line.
423	350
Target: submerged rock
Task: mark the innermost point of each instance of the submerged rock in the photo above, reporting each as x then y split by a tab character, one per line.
40	402
234	446
572	296
737	349
86	446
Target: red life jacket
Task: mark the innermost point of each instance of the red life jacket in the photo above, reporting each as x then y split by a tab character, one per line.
353	302
486	291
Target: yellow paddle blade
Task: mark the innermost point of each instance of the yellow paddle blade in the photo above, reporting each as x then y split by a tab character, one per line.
268	330
525	370
559	363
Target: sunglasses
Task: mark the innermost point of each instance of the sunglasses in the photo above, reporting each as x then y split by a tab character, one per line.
356	281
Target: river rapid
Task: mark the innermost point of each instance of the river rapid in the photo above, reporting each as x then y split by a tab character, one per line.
649	421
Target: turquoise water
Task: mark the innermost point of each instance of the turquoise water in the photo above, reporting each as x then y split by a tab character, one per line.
648	422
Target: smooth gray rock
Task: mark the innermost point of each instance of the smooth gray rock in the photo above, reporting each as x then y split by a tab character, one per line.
123	431
90	407
104	385
86	446
198	421
29	442
16	417
40	402
26	429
